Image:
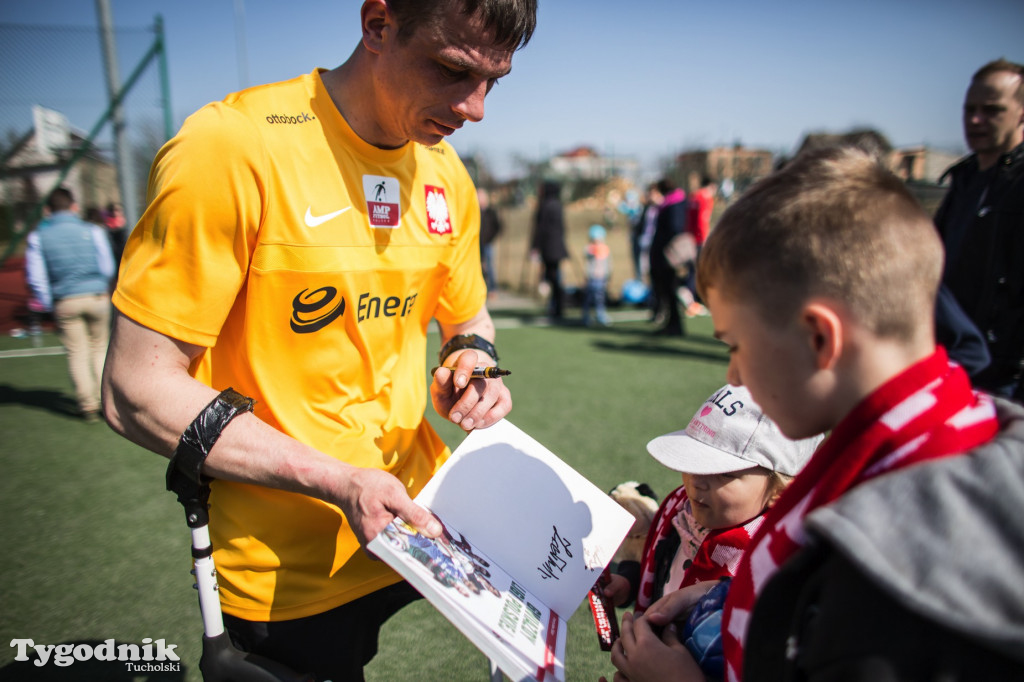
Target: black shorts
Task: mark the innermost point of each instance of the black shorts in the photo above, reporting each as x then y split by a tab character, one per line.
334	645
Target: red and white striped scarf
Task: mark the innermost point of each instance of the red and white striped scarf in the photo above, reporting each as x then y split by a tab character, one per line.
927	412
717	552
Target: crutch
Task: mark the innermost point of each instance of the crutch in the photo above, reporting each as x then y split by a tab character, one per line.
220	661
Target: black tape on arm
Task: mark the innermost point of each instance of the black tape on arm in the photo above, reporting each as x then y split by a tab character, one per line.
185	470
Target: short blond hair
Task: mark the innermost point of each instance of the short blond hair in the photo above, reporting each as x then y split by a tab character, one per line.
832	223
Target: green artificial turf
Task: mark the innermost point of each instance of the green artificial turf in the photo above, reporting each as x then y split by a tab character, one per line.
96	549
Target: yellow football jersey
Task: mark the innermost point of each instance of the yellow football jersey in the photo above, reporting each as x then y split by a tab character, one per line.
309	263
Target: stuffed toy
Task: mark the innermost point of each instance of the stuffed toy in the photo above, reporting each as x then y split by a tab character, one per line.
640	501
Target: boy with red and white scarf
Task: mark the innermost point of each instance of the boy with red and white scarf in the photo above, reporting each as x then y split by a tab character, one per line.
821	280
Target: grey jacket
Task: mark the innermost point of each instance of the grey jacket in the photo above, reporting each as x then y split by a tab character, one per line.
915	575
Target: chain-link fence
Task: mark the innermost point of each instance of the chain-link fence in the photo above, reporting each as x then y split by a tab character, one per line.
56	75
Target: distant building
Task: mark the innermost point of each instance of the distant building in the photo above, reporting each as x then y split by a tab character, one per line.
584	163
921	164
30	169
743	165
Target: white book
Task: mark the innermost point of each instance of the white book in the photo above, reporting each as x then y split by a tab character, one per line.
526	537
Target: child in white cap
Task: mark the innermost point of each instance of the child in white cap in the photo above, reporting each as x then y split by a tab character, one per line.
735	463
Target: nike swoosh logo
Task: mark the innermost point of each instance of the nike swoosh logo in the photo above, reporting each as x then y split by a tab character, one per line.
314	220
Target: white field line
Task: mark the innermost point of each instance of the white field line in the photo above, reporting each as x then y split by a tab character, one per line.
31	352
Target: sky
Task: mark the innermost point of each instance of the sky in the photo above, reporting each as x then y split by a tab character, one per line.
643	80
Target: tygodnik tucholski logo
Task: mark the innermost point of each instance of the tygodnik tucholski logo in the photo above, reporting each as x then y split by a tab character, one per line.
149	656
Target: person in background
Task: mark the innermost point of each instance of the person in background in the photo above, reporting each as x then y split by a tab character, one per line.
726	189
598	265
821	281
642	231
642	235
273	308
630	206
95	216
69	265
548	243
701	205
670	222
114	219
490	228
981	220
958	334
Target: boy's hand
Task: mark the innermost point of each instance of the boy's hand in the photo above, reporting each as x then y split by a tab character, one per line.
640	655
674	605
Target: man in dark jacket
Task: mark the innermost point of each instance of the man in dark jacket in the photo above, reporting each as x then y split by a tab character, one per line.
490	227
670	223
548	241
981	222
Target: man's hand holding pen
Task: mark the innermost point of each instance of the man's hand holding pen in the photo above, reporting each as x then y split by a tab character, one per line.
469	392
483	372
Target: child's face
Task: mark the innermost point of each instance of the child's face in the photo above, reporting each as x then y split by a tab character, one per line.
776	364
728	500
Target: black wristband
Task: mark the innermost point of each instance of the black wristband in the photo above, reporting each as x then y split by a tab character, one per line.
201	435
462	341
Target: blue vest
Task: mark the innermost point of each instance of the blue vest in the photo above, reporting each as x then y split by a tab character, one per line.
72	264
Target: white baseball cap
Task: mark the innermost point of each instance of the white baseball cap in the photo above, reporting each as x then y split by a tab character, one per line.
731	433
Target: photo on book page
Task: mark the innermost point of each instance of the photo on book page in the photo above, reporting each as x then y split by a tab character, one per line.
469	584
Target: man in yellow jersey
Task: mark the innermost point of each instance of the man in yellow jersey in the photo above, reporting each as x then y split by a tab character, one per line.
298	240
